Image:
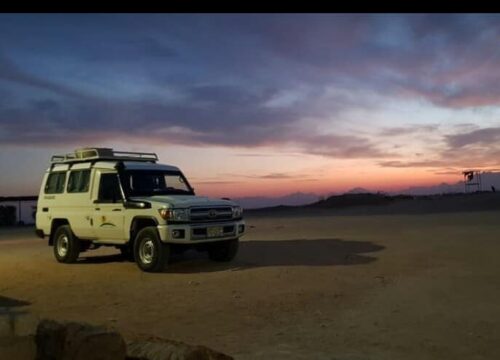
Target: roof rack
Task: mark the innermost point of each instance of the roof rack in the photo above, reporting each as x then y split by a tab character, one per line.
89	154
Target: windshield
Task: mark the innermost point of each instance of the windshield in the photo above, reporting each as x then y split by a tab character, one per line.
155	182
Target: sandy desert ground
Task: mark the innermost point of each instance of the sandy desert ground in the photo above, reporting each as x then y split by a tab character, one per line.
311	287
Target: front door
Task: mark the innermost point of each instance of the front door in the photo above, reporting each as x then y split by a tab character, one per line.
109	217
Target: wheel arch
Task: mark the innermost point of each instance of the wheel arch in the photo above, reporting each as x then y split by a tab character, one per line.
53	227
138	223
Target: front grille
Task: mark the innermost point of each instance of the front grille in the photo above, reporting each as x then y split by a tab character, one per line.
199	214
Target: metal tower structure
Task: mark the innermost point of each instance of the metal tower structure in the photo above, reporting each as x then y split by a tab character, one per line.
472	181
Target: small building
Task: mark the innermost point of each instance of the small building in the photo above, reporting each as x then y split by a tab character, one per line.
25	208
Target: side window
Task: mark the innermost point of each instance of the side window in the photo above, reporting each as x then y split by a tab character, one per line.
78	181
109	189
55	183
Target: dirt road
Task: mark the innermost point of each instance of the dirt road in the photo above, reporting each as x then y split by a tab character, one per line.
324	287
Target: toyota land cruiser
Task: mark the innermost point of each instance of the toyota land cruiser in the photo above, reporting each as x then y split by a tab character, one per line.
100	197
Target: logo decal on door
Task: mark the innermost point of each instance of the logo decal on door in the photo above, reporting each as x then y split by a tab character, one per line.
104	223
107	224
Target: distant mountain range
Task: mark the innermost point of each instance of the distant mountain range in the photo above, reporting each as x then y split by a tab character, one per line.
488	180
382	204
294	199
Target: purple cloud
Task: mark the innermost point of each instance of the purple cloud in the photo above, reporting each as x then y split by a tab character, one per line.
483	137
210	79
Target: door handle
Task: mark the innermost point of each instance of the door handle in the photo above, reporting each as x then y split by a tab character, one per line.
98	209
117	210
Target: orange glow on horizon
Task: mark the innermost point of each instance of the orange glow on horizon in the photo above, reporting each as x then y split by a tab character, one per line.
390	180
269	174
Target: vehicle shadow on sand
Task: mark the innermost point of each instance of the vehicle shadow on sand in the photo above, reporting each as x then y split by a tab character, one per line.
266	253
300	252
10	309
101	259
6	302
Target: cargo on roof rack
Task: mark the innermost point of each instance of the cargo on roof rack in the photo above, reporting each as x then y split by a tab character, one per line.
89	154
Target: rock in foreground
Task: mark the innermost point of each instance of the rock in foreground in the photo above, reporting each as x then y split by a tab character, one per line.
80	341
61	341
154	348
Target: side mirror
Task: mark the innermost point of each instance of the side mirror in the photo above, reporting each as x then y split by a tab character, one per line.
128	204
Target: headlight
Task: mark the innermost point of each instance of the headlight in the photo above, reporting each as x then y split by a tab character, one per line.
237	211
180	215
174	214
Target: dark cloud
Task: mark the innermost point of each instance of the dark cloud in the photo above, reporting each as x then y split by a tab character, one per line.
483	137
448	171
214	182
254	155
412	164
244	126
215	79
277	176
12	73
408	130
131	49
417	55
274	176
211	115
473	149
289	154
483	161
342	146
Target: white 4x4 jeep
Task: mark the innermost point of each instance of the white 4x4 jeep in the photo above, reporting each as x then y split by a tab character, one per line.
97	196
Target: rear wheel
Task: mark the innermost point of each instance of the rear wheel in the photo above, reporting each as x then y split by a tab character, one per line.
150	253
66	245
223	251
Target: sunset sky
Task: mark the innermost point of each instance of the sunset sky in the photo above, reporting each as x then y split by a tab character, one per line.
255	104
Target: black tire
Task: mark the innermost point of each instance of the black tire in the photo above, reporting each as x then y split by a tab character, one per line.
223	251
66	245
127	252
151	254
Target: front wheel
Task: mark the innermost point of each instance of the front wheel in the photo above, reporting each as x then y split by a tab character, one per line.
66	245
223	251
151	255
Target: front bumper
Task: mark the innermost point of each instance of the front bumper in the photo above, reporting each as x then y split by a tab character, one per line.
197	232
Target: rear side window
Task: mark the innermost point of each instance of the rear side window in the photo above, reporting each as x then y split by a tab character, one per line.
55	183
78	181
